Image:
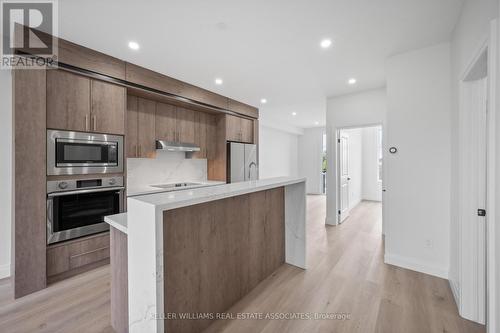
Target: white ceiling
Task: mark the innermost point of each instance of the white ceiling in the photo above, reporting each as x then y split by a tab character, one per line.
263	48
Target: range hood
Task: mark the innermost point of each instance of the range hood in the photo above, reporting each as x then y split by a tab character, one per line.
176	146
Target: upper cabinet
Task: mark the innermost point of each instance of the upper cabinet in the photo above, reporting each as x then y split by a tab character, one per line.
239	129
78	103
205	135
175	124
68	101
108	108
140	127
242	108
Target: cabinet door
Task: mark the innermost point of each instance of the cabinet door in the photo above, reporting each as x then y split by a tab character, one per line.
233	128
68	101
185	125
146	127
246	130
200	134
132	127
108	108
211	124
165	122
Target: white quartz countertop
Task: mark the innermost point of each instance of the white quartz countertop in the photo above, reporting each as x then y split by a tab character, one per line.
149	189
189	197
118	221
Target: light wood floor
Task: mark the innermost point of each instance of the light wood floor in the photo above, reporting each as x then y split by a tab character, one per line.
346	274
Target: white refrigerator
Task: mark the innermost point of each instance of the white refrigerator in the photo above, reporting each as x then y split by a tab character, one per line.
242	162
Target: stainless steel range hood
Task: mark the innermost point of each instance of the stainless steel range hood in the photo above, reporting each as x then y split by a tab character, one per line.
176	146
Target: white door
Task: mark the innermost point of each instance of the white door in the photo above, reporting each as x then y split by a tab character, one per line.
344	179
473	155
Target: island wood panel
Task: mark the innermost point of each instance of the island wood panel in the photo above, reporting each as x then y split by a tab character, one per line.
108	108
165	122
119	281
28	245
217	252
68	101
146	110
132	135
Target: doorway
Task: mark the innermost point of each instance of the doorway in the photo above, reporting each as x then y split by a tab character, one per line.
473	188
359	168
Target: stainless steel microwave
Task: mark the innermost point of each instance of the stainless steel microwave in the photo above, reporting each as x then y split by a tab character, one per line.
77	153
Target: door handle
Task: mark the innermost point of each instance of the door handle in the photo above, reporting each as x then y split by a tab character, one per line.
348	178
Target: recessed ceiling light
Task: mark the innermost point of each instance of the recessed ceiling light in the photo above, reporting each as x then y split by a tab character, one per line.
326	43
352	81
263	101
316	123
133	45
294	113
218	81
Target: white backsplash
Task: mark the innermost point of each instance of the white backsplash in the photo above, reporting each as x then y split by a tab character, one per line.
167	167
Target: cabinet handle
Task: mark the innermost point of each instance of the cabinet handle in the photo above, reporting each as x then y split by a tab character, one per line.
94	118
136	151
86	119
140	149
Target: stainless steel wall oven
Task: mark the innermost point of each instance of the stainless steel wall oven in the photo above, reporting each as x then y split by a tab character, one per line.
77	207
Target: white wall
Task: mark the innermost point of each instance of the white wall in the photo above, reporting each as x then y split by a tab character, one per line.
278	153
372	187
418	176
310	158
5	171
355	110
471	31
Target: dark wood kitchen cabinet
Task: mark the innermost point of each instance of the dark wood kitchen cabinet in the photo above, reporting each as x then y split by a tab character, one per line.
108	108
68	101
166	122
205	135
77	103
175	124
239	129
140	127
72	257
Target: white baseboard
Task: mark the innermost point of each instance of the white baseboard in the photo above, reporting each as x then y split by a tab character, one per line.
331	221
456	292
415	265
4	271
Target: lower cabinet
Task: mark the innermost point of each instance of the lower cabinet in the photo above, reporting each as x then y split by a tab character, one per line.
73	257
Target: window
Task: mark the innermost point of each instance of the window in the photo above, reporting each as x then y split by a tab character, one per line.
380	154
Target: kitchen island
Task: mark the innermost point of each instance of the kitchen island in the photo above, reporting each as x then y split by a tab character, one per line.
198	251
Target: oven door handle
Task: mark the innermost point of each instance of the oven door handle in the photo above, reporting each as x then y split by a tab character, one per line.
107	189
